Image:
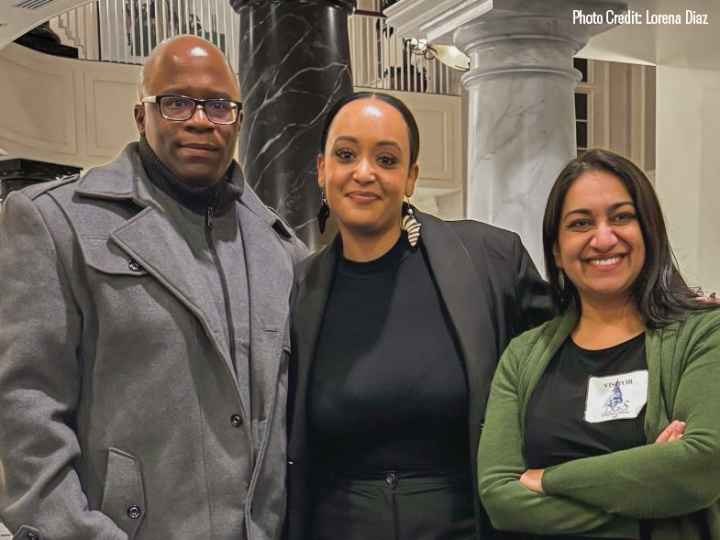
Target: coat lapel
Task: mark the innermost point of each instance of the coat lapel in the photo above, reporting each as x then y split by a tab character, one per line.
151	241
308	309
464	289
307	317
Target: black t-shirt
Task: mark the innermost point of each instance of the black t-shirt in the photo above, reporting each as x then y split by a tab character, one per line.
388	388
587	403
557	429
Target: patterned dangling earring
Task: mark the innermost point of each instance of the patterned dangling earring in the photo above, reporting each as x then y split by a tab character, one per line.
561	280
324	212
410	224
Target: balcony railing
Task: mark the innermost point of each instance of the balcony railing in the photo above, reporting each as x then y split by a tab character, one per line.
125	31
381	59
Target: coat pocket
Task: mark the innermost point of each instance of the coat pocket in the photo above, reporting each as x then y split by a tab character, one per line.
123	496
25	532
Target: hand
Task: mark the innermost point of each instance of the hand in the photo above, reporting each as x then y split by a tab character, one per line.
532	479
711	298
705	298
673	432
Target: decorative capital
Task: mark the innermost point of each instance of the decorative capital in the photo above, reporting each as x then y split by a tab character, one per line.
437	20
347	5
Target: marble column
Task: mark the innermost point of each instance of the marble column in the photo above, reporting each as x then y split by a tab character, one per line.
520	88
521	127
293	65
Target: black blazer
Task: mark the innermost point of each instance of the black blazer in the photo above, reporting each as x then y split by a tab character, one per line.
492	292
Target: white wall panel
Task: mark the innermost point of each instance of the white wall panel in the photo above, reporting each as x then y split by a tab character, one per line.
38	104
109	101
65	111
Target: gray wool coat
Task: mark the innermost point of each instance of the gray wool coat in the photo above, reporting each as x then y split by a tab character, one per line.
120	414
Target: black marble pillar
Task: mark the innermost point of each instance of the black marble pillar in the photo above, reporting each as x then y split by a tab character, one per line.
294	63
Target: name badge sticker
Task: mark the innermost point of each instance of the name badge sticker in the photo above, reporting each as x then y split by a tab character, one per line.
616	397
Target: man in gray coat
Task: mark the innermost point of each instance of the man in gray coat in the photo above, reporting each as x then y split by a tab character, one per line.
144	331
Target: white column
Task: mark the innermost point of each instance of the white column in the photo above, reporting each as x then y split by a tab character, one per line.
521	126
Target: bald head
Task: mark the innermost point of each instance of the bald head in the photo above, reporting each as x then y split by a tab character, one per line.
196	150
179	50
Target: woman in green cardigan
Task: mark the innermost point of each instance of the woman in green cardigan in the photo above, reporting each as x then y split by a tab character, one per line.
605	421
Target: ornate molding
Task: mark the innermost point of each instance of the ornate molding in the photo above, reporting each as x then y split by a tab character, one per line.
437	20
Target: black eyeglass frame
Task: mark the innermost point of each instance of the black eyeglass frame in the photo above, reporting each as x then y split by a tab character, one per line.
196	102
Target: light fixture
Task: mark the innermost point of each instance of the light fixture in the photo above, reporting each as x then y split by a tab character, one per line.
447	54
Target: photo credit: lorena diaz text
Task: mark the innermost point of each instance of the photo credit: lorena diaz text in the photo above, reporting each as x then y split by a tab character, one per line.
633	17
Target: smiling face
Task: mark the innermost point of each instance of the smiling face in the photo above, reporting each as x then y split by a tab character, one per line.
600	244
366	170
197	151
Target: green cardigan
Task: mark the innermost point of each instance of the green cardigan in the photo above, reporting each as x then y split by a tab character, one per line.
676	485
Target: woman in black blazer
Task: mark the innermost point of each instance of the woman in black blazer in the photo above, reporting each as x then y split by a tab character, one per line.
397	327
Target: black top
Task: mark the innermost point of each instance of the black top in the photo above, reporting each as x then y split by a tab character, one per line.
570	416
388	388
567	419
491	290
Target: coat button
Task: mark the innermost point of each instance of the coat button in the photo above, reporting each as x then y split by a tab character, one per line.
134	511
236	420
134	266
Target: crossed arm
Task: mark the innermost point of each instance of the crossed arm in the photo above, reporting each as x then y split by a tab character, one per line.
532	478
511	505
609	493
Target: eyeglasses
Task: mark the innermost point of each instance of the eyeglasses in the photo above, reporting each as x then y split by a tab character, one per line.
181	108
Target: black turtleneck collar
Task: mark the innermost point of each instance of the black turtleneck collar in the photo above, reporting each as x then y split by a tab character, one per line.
196	199
387	262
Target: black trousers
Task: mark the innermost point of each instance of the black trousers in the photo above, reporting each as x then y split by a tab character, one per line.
394	506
